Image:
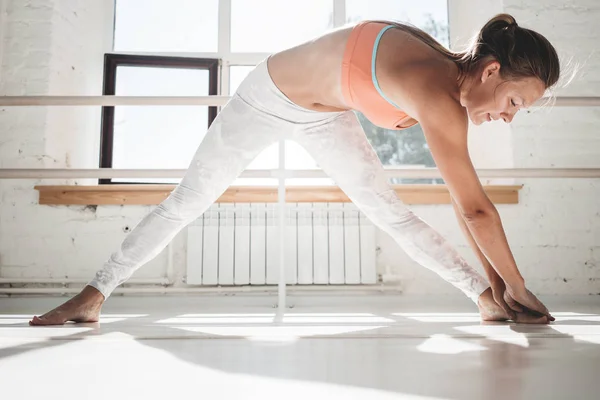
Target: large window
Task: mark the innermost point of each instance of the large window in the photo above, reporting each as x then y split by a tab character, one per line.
155	136
166	25
241	33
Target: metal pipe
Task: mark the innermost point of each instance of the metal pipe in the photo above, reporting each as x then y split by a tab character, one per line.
9	101
59	281
21	101
282	233
218	290
423	173
170	266
573	101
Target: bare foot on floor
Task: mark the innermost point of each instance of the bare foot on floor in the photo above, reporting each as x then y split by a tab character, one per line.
491	311
85	307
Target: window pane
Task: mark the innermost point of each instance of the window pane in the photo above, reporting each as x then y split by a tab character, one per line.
296	156
429	15
407	147
274	25
237	73
162	137
174	25
268	159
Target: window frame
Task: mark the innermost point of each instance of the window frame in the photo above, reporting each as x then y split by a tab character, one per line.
227	59
112	62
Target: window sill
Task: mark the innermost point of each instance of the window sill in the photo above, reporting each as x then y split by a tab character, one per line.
155	194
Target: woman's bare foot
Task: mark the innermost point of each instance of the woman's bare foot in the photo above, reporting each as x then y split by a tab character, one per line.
85	307
491	311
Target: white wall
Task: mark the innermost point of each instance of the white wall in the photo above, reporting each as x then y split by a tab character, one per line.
57	46
54	47
556	234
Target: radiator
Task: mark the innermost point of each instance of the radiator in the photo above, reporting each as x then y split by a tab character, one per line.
238	244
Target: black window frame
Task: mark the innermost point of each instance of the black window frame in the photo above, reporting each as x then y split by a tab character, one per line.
113	61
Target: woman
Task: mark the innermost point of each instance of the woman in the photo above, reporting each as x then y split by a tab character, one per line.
395	75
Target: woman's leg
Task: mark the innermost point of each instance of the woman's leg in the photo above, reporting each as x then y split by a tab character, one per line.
342	150
235	138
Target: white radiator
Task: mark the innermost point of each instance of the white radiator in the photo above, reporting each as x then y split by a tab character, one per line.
326	243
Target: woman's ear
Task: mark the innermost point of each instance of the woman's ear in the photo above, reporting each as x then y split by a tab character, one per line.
493	68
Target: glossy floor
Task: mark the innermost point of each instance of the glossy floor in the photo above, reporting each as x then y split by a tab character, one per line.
334	347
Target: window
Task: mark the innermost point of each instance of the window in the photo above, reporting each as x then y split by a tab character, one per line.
429	15
166	26
155	136
273	25
241	33
409	146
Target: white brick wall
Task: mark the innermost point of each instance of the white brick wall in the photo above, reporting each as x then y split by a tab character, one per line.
564	214
56	47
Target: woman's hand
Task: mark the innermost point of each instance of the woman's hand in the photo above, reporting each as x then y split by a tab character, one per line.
521	299
498	291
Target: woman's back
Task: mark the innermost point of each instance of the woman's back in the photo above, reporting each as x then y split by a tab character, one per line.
311	74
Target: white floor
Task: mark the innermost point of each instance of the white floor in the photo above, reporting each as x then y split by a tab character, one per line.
334	347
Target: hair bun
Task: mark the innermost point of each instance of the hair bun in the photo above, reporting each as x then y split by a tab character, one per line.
498	23
520	52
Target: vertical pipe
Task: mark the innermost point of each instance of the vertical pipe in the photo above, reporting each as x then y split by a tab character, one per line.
170	269
3	27
339	13
224	44
281	201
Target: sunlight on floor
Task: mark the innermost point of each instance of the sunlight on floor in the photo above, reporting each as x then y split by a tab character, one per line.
163	349
77	358
277	333
339	318
441	317
499	333
444	344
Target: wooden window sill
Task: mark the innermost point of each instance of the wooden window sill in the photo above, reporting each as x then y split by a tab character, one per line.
155	194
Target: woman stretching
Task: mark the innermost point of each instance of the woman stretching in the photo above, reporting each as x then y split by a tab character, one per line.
397	76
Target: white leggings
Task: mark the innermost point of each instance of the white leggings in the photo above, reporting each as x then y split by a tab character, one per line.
258	115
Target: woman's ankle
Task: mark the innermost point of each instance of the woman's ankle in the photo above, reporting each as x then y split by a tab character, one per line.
90	293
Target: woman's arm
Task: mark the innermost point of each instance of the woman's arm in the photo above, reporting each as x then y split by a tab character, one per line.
445	125
489	270
496	283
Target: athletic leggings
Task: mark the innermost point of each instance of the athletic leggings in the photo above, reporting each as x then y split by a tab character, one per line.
258	115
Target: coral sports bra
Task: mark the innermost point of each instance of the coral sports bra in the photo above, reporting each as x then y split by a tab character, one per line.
359	83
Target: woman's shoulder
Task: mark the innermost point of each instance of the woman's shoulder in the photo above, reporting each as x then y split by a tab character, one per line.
417	72
425	88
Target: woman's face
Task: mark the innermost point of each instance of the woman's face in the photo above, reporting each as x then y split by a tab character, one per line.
490	97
